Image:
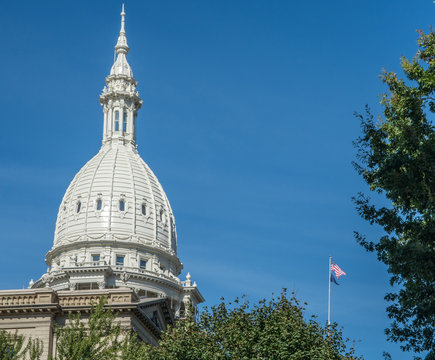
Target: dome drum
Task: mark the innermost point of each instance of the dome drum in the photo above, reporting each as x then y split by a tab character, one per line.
135	256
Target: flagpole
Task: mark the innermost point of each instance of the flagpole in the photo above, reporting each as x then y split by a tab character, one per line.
329	292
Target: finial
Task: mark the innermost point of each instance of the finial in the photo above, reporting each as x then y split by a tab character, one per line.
188	282
122	20
121	45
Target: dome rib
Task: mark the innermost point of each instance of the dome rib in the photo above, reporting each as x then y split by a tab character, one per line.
111	192
71	208
92	184
134	195
154	207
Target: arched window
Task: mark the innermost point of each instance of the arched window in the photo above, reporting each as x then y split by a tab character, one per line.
122	205
79	206
116	120
124	121
99	204
144	209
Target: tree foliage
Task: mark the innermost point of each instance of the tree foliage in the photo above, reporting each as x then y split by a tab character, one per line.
397	160
14	347
269	330
97	337
274	329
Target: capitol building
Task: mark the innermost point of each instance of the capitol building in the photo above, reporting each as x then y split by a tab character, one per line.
115	235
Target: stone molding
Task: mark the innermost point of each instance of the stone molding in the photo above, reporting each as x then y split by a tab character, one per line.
91	297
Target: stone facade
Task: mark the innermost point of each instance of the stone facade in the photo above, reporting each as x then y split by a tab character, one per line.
35	312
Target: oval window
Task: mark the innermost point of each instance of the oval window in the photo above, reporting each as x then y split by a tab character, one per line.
121	205
79	206
144	209
99	204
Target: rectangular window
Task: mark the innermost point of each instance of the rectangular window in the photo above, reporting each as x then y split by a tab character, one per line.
143	264
96	257
124	122
116	120
119	260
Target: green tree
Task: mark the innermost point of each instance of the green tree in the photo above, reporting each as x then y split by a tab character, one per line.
99	337
274	329
269	330
12	347
396	158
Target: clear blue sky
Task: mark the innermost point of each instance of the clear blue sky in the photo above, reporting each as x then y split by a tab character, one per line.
247	122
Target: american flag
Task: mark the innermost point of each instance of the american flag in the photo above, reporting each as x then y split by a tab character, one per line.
337	270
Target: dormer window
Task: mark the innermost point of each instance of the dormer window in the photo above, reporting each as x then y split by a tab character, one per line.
78	206
124	121
116	120
99	204
144	209
122	205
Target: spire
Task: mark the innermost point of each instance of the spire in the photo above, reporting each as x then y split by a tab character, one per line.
119	99
121	66
121	45
122	20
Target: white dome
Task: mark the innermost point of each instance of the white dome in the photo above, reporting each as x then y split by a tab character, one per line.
115	226
116	196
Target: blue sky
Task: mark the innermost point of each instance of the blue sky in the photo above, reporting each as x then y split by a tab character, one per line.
247	122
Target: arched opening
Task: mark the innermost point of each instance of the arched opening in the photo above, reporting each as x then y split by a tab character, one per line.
124	121
116	120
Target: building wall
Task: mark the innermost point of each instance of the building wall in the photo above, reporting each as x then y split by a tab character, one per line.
31	326
34	313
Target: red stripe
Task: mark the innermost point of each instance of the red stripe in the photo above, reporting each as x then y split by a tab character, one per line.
337	270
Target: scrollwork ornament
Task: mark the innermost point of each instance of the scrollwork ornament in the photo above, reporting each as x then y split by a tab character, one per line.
124	277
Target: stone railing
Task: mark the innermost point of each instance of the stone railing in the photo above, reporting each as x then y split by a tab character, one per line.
92	297
27	297
145	272
18	300
79	300
89	263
